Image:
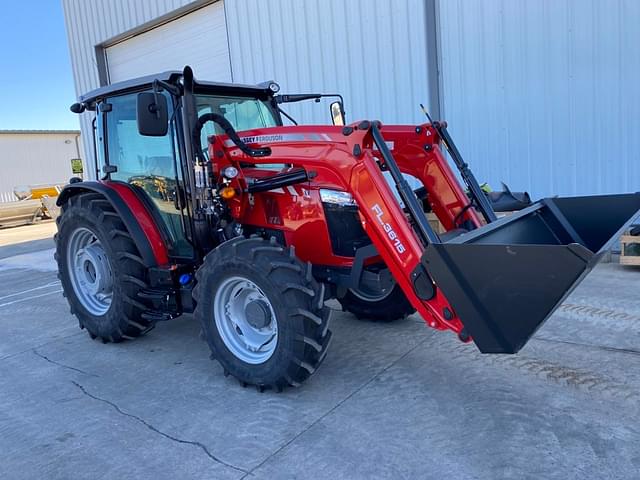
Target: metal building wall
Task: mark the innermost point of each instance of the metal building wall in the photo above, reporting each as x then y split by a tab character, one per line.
31	158
92	23
374	52
543	94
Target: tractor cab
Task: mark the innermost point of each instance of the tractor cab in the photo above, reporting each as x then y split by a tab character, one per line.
140	140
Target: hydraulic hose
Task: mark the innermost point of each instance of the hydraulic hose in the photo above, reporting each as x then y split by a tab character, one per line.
231	133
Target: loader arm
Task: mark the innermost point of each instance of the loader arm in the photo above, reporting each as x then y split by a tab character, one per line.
386	224
501	281
416	150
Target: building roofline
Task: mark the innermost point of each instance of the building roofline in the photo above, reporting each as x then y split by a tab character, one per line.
52	132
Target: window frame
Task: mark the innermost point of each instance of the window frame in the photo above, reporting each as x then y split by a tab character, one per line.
174	134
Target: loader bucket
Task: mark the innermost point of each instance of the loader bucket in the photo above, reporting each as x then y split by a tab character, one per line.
506	278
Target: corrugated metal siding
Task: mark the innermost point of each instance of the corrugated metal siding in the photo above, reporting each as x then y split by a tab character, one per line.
92	23
543	94
7	196
31	159
373	52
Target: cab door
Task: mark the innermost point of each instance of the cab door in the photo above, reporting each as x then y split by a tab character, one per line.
151	165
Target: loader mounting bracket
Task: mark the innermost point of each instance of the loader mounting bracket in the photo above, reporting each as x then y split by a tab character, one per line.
422	283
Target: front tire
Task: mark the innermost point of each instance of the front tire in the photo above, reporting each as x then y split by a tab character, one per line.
100	269
262	313
385	305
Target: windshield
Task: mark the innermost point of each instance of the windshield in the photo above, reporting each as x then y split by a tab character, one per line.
243	113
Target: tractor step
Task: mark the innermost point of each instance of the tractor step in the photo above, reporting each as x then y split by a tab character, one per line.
154	316
154	294
507	277
164	305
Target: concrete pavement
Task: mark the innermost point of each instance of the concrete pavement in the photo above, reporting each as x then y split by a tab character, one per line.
391	400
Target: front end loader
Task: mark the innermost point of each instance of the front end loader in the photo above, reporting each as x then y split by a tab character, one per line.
208	203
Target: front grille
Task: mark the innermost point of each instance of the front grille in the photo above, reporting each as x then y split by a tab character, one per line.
345	229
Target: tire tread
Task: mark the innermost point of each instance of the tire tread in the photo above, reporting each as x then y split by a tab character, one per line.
310	317
131	276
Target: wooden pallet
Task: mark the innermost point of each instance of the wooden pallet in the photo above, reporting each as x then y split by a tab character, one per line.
439	229
630	251
435	223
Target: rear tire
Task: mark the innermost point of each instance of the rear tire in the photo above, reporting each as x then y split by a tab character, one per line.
262	313
100	269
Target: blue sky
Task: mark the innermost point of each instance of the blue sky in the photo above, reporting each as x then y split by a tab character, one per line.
36	83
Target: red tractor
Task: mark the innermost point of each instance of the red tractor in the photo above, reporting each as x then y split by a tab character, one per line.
206	203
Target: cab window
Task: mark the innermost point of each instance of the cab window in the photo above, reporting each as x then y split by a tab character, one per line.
242	112
148	163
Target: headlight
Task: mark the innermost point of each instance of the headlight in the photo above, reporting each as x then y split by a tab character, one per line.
337	197
274	87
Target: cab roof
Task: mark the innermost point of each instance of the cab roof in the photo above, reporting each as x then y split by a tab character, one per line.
173	76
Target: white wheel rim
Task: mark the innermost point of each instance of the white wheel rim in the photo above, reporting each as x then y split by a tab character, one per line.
89	271
245	320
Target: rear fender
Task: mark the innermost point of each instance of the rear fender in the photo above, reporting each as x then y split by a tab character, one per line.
134	215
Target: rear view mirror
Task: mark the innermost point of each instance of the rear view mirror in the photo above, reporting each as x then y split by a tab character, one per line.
337	113
77	108
151	114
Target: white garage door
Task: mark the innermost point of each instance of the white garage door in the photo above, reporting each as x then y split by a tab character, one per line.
198	39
